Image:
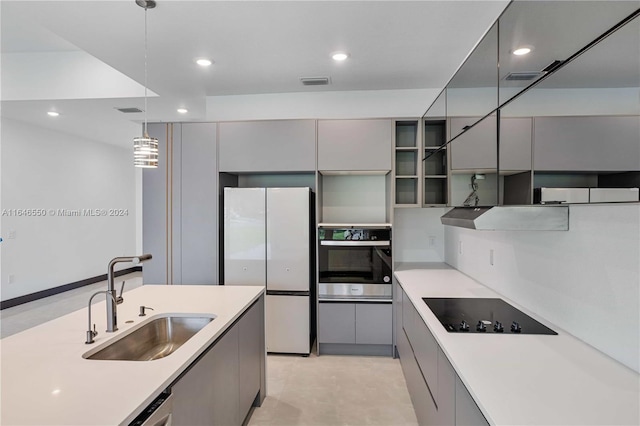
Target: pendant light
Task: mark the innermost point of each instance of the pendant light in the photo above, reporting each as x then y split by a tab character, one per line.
145	148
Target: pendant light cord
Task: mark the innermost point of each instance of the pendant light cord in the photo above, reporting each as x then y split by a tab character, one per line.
146	135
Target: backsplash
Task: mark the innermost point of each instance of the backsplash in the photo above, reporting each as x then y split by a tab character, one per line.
584	280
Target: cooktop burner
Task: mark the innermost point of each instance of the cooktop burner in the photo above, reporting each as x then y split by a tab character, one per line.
480	315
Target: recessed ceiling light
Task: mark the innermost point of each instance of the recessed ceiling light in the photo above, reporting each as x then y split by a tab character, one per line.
340	56
522	51
203	62
53	113
182	110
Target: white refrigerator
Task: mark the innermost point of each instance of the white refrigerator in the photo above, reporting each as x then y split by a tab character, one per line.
267	242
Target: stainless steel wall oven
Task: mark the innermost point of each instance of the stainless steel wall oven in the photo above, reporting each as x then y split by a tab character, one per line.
354	262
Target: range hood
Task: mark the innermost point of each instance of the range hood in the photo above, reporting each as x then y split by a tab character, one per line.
509	218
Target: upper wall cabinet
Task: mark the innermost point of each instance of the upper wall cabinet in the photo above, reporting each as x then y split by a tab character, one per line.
515	144
355	145
475	149
584	143
267	146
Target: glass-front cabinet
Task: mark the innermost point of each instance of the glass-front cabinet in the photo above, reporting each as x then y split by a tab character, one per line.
547	101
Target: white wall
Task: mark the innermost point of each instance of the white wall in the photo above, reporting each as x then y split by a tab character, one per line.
585	280
354	199
43	169
418	235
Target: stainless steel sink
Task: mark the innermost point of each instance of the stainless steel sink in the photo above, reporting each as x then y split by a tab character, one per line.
154	340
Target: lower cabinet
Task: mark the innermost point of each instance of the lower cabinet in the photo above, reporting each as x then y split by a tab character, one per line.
223	384
357	328
437	394
467	412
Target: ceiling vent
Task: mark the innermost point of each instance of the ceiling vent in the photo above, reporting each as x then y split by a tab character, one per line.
129	110
314	81
523	76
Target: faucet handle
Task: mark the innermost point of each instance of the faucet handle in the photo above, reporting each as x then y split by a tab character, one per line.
142	311
120	299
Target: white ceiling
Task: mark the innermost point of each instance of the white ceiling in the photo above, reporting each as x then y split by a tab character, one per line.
85	58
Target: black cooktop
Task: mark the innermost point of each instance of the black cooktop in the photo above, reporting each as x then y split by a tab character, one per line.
480	315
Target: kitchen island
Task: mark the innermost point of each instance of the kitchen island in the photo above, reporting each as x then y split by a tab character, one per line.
509	379
46	381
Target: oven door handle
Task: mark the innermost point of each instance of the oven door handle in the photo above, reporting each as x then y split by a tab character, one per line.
356	243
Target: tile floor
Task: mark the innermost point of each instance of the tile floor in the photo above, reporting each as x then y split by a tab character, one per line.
334	390
314	391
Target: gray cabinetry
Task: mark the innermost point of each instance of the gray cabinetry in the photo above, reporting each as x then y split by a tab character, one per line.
476	148
268	146
602	143
179	205
208	393
355	328
515	144
467	412
438	396
358	145
251	348
223	383
423	404
336	323
198	204
374	323
446	391
155	213
425	349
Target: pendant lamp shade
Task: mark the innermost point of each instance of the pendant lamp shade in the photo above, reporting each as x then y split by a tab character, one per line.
145	152
145	148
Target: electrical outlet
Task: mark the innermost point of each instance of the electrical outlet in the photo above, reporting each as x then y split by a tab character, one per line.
491	257
12	235
460	247
11	279
432	240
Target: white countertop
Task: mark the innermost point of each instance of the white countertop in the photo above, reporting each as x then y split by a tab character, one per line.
526	379
45	380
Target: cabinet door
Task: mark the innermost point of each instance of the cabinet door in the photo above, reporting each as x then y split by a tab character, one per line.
208	393
251	355
288	324
354	145
515	143
268	146
425	348
374	323
467	412
605	143
244	236
288	239
423	404
446	391
336	322
476	148
199	204
161	208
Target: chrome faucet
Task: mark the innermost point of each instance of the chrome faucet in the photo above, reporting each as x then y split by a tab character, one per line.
112	315
93	333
